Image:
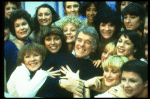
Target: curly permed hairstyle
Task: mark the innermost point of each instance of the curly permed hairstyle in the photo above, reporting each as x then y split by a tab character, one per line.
30	48
105	15
72	20
86	4
18	14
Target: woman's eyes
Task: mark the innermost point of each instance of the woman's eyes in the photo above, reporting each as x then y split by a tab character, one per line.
12	8
46	14
27	56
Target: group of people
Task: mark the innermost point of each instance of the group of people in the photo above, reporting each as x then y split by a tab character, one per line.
104	56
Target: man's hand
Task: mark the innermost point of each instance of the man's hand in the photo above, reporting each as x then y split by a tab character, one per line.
73	85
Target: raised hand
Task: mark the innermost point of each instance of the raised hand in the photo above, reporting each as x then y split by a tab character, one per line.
69	74
53	73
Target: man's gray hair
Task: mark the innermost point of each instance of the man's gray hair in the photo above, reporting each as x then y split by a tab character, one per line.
89	30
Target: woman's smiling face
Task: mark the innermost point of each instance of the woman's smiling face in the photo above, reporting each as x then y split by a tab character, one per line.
111	76
44	16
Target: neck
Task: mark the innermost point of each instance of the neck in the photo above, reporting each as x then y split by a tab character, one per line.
21	40
105	41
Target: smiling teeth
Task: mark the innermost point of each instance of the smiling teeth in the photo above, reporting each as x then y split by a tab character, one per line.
81	50
69	37
33	64
53	47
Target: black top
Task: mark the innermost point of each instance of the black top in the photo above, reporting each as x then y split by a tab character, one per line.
51	87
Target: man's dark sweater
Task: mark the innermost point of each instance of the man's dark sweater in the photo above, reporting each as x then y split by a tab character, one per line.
51	87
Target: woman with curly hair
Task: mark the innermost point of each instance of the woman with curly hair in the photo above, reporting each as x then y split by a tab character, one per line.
21	28
108	25
90	9
28	77
44	16
69	25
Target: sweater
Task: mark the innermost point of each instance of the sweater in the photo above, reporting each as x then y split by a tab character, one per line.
51	88
21	85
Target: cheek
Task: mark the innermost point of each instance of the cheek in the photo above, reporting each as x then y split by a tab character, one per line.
46	43
117	77
60	43
26	61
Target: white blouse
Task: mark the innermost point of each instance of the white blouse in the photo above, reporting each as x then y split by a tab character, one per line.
20	84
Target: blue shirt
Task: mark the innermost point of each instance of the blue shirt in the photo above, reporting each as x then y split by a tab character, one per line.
11	55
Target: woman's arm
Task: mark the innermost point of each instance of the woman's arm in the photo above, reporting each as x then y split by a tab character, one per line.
28	88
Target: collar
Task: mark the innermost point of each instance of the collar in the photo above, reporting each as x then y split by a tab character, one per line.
73	53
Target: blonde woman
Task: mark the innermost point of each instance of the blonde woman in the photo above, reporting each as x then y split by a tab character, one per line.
70	25
109	50
111	76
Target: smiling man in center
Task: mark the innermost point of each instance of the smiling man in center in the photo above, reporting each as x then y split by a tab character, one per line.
86	41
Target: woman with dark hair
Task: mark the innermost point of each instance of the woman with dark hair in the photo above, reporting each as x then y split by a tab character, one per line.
129	45
44	16
134	82
11	6
108	25
21	28
134	17
90	9
54	40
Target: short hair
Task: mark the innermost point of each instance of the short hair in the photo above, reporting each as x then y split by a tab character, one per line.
30	48
89	30
137	66
115	61
64	5
55	16
18	14
6	22
111	47
135	39
105	15
86	4
72	20
54	30
18	4
137	10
